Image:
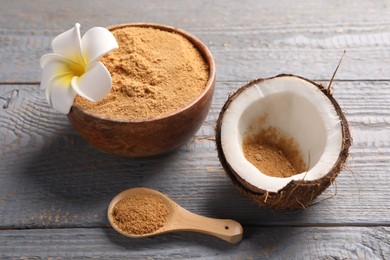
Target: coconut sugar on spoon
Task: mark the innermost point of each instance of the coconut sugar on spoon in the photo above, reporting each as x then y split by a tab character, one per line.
141	213
153	72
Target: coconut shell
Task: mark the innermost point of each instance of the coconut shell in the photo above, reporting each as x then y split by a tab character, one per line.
296	194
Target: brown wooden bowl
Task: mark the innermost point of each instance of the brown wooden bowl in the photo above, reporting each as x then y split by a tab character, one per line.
151	136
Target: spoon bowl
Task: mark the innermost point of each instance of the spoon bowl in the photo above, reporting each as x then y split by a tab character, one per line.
180	219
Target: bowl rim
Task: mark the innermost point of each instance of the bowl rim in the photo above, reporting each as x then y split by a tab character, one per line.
199	45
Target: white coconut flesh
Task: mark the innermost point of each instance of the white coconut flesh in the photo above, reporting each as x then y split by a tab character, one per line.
298	109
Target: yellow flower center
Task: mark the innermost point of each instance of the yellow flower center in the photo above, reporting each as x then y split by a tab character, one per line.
77	69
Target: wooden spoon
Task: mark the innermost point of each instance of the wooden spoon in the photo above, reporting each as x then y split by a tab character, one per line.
181	219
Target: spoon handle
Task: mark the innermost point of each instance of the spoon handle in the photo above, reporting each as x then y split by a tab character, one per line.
225	229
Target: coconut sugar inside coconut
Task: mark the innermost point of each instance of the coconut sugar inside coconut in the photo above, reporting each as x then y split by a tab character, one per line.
154	73
273	154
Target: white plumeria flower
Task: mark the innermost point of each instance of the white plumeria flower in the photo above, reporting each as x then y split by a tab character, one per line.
74	68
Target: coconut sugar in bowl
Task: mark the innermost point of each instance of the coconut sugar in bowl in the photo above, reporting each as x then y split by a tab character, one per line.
163	84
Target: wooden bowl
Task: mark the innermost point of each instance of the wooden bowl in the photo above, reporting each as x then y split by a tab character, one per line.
154	136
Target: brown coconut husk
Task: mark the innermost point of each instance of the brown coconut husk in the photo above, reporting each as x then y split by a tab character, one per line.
297	194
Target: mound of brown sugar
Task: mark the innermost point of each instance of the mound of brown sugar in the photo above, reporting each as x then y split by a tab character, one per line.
273	154
153	72
140	213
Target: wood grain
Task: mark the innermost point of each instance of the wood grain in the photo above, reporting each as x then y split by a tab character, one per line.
248	39
258	243
200	14
51	178
55	189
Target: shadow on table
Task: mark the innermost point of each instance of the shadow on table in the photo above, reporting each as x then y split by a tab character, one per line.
257	223
68	168
229	203
169	240
265	241
260	224
77	179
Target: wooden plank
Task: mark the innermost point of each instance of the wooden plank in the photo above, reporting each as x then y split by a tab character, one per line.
258	243
49	177
248	40
198	14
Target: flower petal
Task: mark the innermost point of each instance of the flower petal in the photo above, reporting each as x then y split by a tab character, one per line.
96	42
68	44
47	58
53	66
94	84
61	94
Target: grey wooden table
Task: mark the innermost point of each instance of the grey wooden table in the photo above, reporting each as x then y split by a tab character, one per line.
55	188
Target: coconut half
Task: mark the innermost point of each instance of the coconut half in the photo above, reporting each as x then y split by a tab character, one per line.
298	108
